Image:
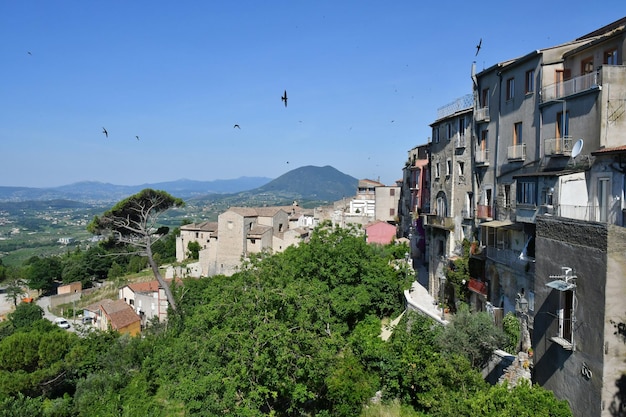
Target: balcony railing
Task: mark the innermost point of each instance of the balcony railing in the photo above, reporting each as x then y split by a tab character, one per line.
558	146
517	152
482	157
482	114
483	212
570	87
439	221
460	141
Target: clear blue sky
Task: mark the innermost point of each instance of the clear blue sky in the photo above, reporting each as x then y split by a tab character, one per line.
364	80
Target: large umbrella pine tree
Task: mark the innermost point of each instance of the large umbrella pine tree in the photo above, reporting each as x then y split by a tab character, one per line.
133	221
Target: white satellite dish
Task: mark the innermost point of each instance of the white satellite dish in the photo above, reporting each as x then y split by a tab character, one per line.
577	148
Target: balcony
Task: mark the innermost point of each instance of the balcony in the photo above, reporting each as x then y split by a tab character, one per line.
460	141
482	114
483	212
516	152
482	157
439	222
558	146
570	87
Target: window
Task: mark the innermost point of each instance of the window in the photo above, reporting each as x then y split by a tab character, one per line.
436	134
448	131
392	212
437	170
562	125
510	88
604	197
507	195
462	127
517	133
610	57
461	166
530	81
586	66
526	193
448	167
485	98
196	235
392	192
442	205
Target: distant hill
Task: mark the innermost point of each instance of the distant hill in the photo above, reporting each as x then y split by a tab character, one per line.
315	185
95	192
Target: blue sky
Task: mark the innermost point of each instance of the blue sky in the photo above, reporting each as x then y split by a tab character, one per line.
364	80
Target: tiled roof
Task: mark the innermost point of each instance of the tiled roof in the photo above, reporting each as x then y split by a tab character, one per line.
148	286
244	211
203	226
123	318
258	230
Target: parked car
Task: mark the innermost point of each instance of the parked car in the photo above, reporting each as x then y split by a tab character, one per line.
62	323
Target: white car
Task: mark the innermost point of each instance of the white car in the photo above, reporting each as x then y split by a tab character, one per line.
62	323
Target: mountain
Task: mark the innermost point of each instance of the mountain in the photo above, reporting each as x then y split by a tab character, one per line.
93	191
312	183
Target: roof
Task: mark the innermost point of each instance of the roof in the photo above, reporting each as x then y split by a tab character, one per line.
123	318
203	226
259	230
148	286
477	286
605	151
366	182
548	173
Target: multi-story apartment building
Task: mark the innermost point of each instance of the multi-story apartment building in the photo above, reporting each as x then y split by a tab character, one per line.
451	186
546	194
415	199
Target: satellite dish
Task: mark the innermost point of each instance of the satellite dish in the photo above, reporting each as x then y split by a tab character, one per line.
577	148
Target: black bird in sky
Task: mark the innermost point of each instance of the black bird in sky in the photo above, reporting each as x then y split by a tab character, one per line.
478	46
236	126
29	53
137	137
105	132
284	98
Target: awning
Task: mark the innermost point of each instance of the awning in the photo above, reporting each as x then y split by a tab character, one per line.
502	223
561	285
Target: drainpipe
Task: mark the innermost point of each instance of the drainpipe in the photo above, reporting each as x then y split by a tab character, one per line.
495	164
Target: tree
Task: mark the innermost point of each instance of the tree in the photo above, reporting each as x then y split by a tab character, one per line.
14	290
133	221
193	250
41	272
25	315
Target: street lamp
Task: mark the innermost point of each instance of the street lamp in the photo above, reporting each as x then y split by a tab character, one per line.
521	307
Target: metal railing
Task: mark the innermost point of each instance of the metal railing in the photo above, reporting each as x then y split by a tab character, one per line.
482	157
462	103
558	146
517	152
570	87
482	114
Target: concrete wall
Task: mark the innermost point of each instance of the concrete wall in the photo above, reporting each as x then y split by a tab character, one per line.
581	246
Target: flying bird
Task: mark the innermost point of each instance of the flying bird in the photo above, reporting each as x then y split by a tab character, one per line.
137	137
29	53
480	42
105	132
284	98
236	126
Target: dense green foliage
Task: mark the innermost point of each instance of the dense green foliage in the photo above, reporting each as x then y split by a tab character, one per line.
291	334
